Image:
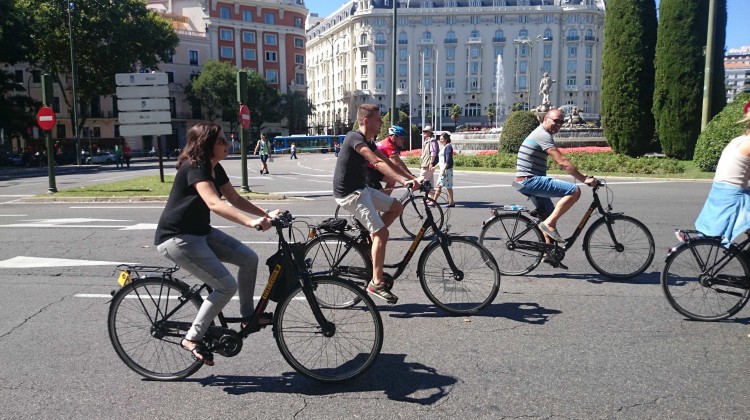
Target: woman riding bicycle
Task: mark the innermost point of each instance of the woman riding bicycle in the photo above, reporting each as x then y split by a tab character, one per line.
185	236
726	210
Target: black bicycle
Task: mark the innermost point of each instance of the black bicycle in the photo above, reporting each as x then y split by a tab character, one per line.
617	246
704	280
150	315
456	273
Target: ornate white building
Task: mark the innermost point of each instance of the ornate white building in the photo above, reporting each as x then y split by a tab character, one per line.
350	57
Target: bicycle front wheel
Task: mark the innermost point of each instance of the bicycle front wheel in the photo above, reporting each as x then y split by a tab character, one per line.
413	216
344	355
462	292
622	254
702	283
146	334
513	249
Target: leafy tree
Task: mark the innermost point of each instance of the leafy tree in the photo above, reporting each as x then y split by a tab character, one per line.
627	76
403	123
110	37
17	110
296	108
405	108
216	89
517	127
718	133
455	113
491	113
680	62
263	100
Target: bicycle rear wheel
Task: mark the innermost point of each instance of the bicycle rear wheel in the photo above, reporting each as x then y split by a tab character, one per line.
632	254
145	340
699	288
413	216
466	292
346	354
502	236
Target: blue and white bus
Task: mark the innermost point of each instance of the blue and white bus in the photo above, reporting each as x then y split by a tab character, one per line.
309	144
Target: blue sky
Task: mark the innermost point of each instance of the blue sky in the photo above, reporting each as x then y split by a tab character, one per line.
738	16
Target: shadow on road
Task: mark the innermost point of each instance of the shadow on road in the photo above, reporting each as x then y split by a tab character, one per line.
528	312
398	379
645	278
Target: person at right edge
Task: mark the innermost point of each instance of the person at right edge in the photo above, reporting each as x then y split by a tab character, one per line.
351	192
725	212
532	180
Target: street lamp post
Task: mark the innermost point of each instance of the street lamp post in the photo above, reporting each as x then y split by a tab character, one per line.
526	41
331	41
71	6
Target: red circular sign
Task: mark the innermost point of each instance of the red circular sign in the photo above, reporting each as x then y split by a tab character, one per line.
244	116
46	118
746	108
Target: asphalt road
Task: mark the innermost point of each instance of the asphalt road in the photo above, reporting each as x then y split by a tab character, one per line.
555	343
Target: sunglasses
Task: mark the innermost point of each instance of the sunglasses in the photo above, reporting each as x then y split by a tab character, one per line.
557	121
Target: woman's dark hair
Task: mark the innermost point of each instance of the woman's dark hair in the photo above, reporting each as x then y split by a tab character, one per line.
201	139
447	137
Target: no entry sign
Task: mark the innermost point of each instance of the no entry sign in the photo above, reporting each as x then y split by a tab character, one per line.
46	118
245	116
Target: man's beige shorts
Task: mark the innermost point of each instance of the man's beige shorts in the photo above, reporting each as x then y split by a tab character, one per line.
365	205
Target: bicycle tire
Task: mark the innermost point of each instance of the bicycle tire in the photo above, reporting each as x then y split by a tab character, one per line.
683	281
335	254
480	282
499	235
413	216
349	352
134	322
631	258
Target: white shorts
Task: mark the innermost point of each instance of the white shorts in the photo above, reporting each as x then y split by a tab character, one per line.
365	205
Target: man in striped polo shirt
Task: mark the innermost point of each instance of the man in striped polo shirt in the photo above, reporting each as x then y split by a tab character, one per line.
532	180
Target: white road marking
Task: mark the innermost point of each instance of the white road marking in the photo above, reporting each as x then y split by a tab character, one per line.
36	262
13	215
108	296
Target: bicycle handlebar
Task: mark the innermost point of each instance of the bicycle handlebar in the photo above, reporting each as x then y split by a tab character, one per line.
283	220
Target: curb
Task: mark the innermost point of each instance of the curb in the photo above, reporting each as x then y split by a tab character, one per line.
141	199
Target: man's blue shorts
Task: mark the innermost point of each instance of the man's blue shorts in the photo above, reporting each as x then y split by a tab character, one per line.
541	188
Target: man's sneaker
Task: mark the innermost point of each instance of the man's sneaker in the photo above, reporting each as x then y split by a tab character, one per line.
381	290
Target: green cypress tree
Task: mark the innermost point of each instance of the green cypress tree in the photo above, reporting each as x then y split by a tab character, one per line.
627	77
679	65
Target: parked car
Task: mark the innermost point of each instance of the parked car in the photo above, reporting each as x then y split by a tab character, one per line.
13	159
101	157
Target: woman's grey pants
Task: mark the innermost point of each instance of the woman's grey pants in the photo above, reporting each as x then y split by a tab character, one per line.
202	256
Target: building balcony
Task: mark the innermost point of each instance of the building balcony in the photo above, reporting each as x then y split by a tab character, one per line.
426	42
589	87
378	91
380	42
572	38
590	39
403	41
449	91
498	39
474	40
571	88
450	41
402	91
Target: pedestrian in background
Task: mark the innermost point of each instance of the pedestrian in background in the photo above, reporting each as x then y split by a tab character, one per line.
293	148
118	156
262	150
445	162
126	153
336	148
429	159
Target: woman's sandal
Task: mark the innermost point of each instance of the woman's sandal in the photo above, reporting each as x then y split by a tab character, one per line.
206	357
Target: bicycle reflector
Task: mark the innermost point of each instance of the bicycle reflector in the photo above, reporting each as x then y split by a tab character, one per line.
680	236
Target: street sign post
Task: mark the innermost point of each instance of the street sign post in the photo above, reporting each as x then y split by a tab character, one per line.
143	102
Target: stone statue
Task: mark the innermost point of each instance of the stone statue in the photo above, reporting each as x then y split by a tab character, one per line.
544	86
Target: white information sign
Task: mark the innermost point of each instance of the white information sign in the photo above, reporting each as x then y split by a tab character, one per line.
143	104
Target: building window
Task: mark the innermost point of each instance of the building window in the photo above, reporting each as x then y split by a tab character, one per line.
403	55
380	70
269	18
299	43
547	34
363	56
363	39
450	20
472	110
588	66
450	53
547	66
248	54
402	70
572	66
572	51
523	33
474	52
522	82
403	38
587	81
380	38
427	21
450	69
272	76
19	76
523	66
299	79
363	85
271	56
170	58
571	81
523	50
170	76
427	52
269	39
589	50
547	49
474	20
498	51
474	68
193	57
248	37
247	15
227	52
299	59
523	19
225	13
297	22
426	35
363	71
379	54
379	84
499	19
450	83
225	34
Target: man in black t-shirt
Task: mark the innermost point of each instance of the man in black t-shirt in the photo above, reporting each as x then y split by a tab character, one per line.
352	193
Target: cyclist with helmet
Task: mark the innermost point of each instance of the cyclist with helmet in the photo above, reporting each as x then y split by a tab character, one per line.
391	146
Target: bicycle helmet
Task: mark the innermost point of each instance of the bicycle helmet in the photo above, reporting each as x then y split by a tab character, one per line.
397	131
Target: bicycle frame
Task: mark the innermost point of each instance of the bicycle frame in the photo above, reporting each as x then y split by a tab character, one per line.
543	246
709	277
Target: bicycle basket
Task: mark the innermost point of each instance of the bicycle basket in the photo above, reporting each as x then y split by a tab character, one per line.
333	225
289	276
